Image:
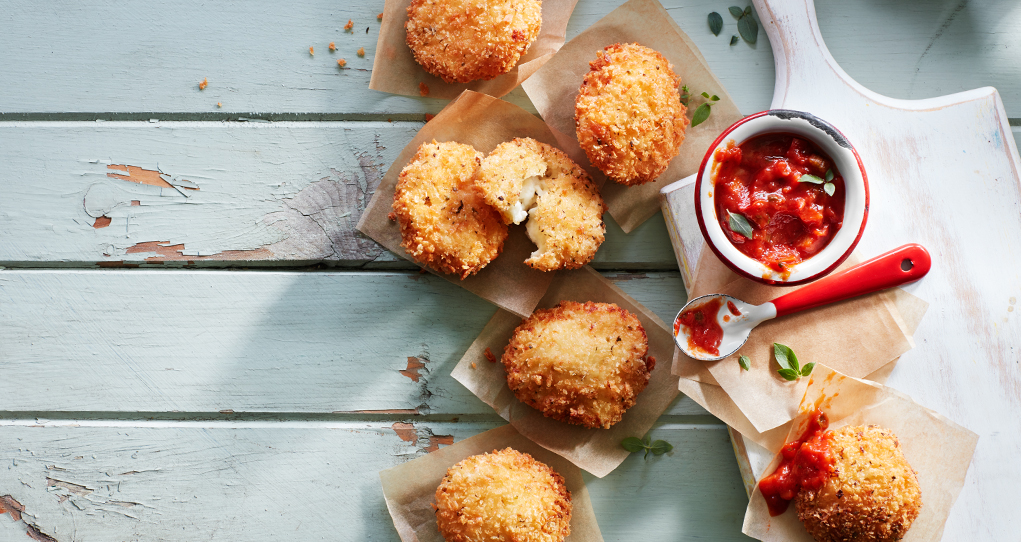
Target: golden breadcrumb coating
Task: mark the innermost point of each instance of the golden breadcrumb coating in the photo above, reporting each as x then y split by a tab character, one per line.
503	495
445	222
628	113
525	178
872	493
464	40
582	363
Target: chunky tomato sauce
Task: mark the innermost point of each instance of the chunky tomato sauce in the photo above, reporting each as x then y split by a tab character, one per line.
704	332
791	218
806	464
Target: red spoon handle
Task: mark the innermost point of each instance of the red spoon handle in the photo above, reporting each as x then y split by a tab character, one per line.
899	266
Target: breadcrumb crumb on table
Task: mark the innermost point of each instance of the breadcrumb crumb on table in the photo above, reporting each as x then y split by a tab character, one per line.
423	89
429	117
361	51
333	46
218	104
204	84
311	51
379	17
341	63
350	24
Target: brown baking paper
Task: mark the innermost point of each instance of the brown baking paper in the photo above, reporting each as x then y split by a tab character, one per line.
483	122
395	70
554	87
698	383
410	488
938	449
595	450
856	337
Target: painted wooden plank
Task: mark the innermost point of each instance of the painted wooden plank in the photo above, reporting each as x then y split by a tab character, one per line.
208	341
93	481
215	194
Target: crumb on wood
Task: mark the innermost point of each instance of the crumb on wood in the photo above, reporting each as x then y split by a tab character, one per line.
473	365
311	50
379	17
219	104
429	117
423	89
333	46
392	217
341	63
366	30
490	356
361	51
204	84
422	271
350	24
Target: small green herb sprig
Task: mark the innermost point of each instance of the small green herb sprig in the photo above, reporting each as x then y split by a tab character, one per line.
635	444
788	361
746	25
827	184
703	111
745	362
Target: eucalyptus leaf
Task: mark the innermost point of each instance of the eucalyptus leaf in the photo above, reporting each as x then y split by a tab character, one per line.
830	188
736	11
748	10
829	174
633	444
745	362
748	28
739	224
734	40
715	23
700	115
788	374
809	178
661	447
807	369
786	357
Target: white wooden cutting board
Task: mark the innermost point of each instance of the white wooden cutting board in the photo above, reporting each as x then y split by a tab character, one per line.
943	172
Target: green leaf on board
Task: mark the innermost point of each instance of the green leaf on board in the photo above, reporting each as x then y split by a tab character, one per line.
661	447
788	374
745	362
633	444
714	98
807	369
701	114
830	188
748	28
736	11
748	10
715	23
739	224
809	178
786	357
734	40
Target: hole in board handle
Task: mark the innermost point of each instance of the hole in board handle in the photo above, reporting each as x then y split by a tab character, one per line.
906	264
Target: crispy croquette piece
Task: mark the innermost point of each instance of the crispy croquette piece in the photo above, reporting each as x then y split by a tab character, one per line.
525	178
581	363
445	223
872	493
628	113
504	495
464	40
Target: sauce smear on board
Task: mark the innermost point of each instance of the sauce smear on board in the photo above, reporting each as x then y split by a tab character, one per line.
792	216
806	464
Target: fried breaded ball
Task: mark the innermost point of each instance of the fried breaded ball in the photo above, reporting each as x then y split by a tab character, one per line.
445	222
872	493
503	495
581	363
464	40
628	114
525	178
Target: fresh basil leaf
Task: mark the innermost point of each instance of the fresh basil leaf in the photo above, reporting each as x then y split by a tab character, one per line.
745	362
736	11
809	178
734	40
715	23
739	224
748	10
830	188
700	115
748	28
705	95
661	447
714	98
829	175
633	444
788	374
807	369
786	357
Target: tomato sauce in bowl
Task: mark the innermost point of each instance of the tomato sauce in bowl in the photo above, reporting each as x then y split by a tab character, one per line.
778	198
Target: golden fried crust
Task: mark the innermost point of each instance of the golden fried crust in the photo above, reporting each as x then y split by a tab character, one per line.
445	223
464	40
525	177
628	113
582	363
872	494
503	495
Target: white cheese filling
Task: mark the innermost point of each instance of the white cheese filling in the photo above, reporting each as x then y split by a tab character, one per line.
530	189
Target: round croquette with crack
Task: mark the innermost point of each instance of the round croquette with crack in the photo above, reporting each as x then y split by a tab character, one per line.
581	363
503	495
445	222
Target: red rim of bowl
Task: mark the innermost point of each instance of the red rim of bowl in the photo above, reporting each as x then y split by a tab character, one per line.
701	220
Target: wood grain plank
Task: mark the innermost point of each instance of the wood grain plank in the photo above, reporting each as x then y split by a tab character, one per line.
87	193
283	342
88	481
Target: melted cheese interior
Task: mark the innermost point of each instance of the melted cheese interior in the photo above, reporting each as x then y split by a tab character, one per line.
530	189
